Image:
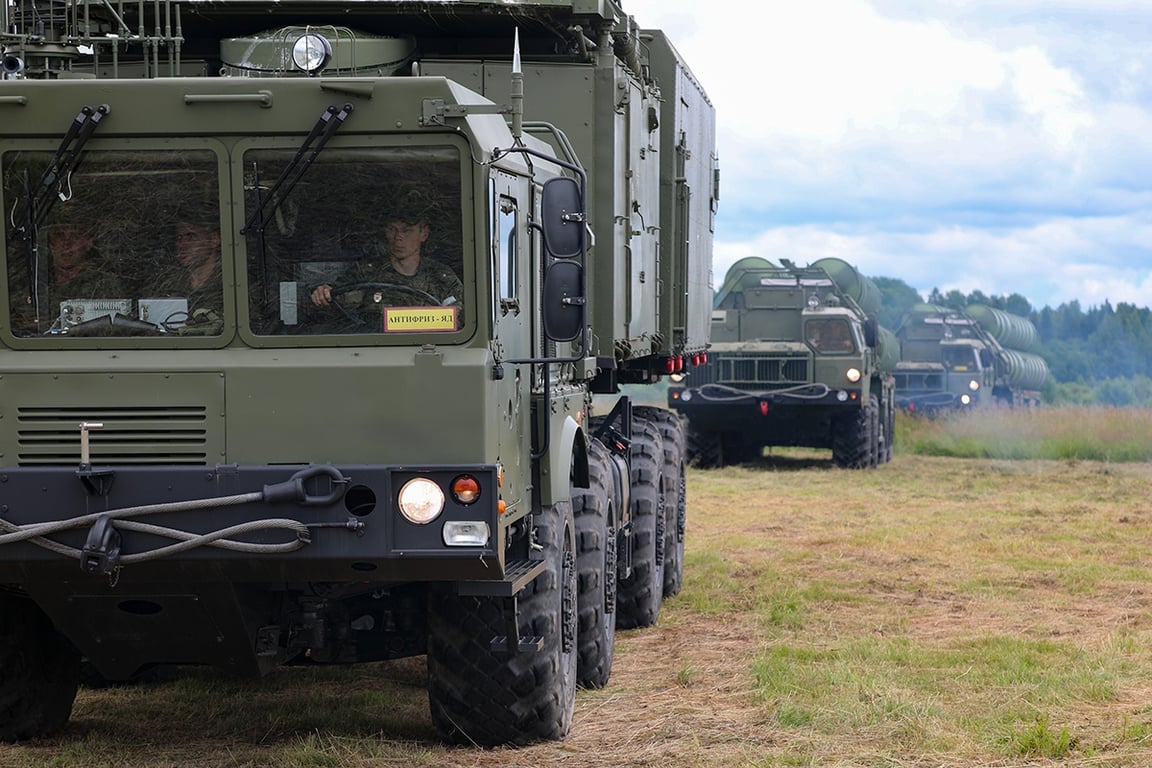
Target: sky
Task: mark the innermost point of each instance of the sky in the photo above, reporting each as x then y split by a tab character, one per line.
1003	146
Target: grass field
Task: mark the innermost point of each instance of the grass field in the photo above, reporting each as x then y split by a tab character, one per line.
936	611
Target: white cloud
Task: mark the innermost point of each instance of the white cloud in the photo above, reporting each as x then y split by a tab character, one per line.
916	139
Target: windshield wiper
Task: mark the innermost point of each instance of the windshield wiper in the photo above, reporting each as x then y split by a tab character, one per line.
321	132
38	201
65	161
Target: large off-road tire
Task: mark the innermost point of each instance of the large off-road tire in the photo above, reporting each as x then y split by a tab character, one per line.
875	446
673	489
596	529
704	449
889	445
852	440
39	672
480	693
638	597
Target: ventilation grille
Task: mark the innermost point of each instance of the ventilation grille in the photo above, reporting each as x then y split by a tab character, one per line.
919	382
131	434
753	371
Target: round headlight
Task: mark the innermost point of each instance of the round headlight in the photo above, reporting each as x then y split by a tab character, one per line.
973	385
311	52
853	375
421	500
966	399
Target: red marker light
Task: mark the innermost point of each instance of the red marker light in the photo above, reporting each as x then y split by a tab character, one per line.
466	489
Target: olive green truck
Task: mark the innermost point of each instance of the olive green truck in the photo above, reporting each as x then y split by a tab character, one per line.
305	307
797	359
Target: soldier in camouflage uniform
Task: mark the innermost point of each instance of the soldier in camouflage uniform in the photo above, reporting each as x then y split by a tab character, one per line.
401	263
194	274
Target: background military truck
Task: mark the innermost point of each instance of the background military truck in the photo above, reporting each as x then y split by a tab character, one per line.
205	463
955	359
796	360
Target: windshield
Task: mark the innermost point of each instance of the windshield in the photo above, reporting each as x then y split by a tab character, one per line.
129	246
959	358
831	335
364	240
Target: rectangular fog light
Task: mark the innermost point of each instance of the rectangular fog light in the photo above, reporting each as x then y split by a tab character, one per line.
466	533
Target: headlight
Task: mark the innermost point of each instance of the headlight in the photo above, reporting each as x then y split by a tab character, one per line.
686	395
466	533
966	399
853	375
311	52
973	385
421	500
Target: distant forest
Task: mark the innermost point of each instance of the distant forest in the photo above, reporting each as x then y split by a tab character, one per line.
1098	356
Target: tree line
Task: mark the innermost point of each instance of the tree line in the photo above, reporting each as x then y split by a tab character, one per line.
1098	356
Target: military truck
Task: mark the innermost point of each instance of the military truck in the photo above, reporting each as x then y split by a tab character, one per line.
961	359
304	309
797	359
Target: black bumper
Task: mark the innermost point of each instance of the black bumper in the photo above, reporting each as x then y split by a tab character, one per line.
296	524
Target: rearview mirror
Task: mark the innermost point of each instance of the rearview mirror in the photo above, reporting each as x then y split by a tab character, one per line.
562	217
563	301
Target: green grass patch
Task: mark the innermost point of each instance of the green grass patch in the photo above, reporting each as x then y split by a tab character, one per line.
1082	433
927	696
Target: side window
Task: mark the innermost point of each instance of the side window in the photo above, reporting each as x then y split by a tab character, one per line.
506	248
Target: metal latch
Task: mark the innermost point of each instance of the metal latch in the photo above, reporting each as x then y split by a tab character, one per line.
98	482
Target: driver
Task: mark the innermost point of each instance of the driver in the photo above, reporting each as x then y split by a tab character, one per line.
403	263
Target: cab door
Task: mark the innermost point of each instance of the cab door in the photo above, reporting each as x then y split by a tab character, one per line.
510	252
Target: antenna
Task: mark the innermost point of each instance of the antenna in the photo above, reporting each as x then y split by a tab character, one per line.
517	90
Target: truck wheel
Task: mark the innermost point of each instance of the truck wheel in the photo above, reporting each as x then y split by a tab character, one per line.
673	489
704	449
39	672
874	444
639	596
478	692
596	567
852	440
889	434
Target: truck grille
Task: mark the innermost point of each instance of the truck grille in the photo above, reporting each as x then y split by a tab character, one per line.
753	371
131	434
919	382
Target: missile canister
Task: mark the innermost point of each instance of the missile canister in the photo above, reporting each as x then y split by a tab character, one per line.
1024	370
851	282
887	349
736	271
1010	330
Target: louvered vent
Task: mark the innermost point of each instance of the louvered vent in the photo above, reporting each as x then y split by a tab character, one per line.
147	434
758	371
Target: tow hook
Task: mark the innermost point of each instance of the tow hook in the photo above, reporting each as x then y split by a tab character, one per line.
293	488
101	553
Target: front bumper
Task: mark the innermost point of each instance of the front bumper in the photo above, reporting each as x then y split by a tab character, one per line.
293	524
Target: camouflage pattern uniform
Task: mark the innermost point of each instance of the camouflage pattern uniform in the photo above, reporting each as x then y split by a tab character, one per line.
431	276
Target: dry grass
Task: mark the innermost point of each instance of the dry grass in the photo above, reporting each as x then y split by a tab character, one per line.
933	612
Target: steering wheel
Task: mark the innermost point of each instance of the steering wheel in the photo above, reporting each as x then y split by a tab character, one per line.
391	294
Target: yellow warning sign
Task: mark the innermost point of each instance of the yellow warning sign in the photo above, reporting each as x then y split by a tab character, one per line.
419	319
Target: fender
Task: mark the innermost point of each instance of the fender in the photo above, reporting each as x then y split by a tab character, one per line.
566	462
